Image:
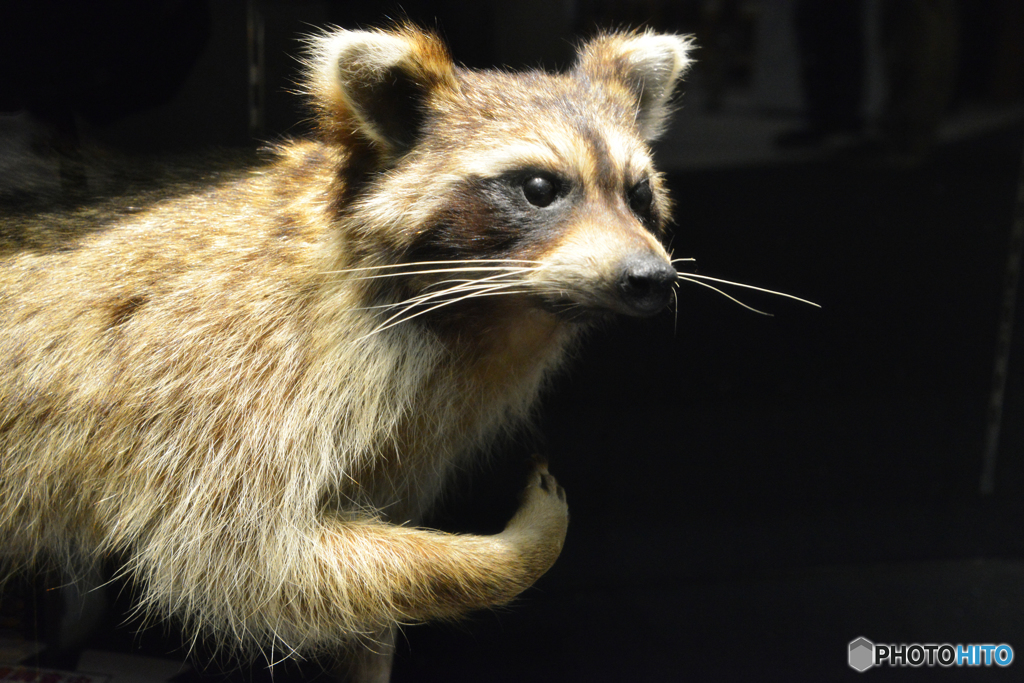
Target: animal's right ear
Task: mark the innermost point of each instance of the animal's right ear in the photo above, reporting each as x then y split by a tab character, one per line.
372	86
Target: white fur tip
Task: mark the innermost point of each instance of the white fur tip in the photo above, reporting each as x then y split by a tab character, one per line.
666	53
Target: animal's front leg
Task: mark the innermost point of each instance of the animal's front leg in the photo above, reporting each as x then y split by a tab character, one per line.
366	576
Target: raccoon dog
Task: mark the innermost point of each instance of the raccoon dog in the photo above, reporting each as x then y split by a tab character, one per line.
252	392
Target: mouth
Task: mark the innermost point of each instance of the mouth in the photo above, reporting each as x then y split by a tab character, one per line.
591	309
571	311
640	286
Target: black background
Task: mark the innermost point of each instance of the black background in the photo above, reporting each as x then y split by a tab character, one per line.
748	493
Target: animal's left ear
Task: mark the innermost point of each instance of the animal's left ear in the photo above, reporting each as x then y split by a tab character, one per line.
648	64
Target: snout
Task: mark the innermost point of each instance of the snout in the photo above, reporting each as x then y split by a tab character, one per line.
645	284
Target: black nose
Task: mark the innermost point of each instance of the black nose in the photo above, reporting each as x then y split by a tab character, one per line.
645	284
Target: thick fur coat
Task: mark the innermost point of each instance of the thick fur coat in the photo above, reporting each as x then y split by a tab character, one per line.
252	393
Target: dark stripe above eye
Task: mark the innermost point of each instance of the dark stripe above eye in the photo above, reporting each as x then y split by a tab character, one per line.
607	177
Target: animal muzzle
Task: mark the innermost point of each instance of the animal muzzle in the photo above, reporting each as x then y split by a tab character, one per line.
644	284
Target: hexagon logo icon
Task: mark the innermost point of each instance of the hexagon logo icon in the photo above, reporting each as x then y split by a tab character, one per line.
862	654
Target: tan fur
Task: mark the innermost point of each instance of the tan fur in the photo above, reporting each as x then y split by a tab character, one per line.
204	388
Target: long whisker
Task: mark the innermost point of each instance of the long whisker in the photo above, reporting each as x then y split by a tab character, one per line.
693	276
716	289
675	311
426	263
409	304
434	293
492	290
463	285
396	304
506	269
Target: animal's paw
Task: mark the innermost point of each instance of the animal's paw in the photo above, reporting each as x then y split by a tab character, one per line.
543	515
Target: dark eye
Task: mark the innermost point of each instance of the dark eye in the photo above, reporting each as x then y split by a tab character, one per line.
540	190
641	197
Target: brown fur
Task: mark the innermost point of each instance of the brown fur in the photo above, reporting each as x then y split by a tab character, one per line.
210	386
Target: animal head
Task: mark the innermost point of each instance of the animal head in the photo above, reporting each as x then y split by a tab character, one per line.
530	184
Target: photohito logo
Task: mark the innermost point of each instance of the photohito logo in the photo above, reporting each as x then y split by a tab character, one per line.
863	654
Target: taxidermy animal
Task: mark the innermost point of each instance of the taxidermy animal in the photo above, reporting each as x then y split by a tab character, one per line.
250	393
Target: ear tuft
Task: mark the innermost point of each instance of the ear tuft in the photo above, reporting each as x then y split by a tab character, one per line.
648	64
372	86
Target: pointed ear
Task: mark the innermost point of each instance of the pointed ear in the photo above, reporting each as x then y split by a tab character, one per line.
648	64
372	86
